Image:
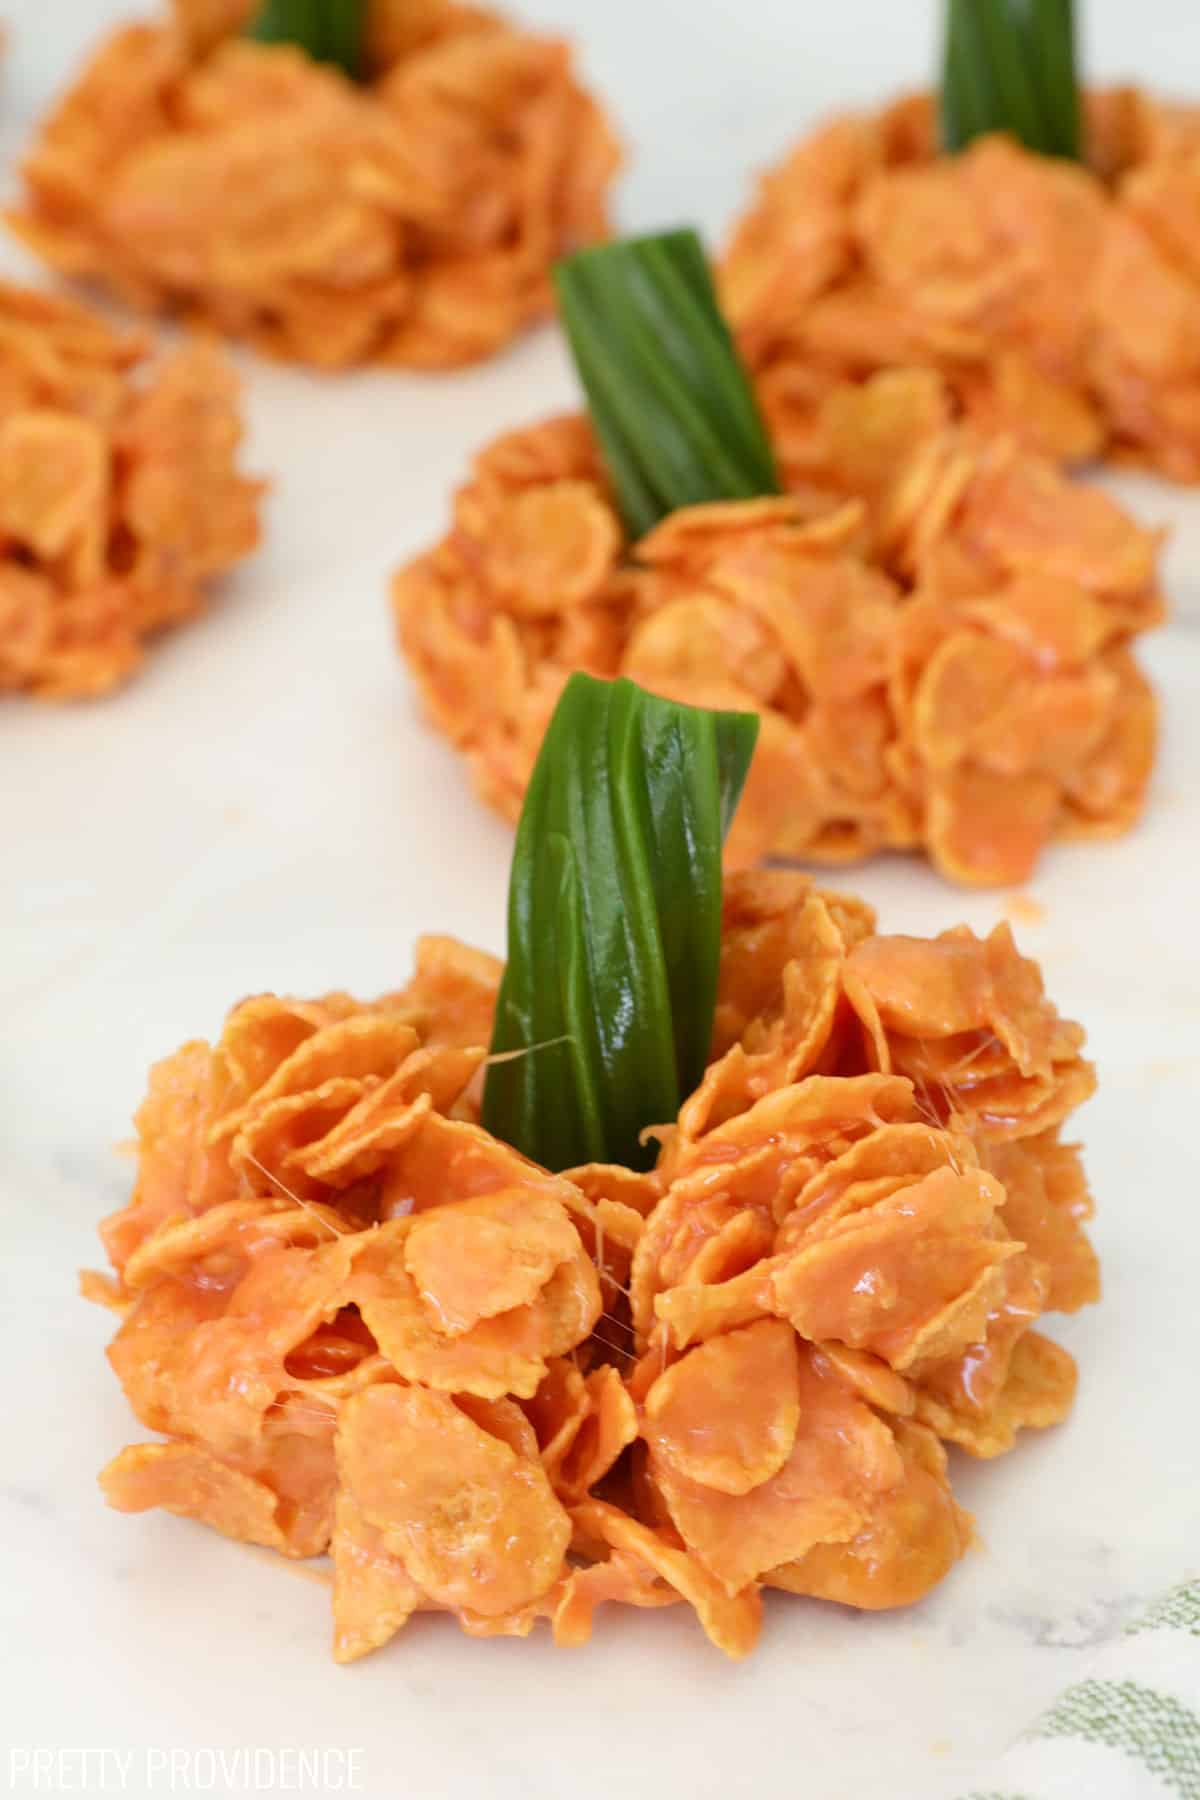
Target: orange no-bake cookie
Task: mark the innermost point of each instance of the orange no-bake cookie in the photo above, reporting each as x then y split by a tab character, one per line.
120	496
1060	303
411	219
361	1323
935	627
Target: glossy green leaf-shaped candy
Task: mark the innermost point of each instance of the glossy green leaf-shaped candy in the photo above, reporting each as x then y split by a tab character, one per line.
1009	65
605	1012
672	406
331	31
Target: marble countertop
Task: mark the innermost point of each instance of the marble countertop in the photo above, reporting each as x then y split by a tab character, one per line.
262	809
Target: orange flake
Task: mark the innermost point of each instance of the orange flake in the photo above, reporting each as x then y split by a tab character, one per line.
474	1524
726	1415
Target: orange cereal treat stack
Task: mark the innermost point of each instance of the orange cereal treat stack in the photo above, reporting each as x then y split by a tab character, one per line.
935	625
120	495
395	192
1058	299
362	1322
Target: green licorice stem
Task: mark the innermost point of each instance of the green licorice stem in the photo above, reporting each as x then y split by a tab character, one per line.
1009	65
331	31
672	406
614	923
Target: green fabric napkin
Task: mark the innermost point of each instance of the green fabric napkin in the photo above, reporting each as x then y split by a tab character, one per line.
1130	1730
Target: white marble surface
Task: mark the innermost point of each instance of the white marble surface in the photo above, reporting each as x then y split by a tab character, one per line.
262	809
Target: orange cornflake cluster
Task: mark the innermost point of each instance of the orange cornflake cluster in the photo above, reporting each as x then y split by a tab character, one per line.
934	627
410	220
364	1325
1060	303
120	497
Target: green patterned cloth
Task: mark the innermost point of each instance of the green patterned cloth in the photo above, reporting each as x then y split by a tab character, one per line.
1130	1730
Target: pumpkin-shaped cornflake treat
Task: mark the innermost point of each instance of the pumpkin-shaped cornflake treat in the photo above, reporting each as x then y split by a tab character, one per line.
371	180
677	1294
935	624
1028	242
121	500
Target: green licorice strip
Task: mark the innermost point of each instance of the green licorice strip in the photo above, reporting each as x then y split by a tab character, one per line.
1007	47
1009	65
952	125
968	102
1052	24
614	923
673	409
331	31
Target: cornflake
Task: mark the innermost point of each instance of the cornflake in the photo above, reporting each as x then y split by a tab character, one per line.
363	1326
1060	303
411	219
120	495
934	627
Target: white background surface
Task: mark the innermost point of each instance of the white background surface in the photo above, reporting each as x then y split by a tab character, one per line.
262	809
